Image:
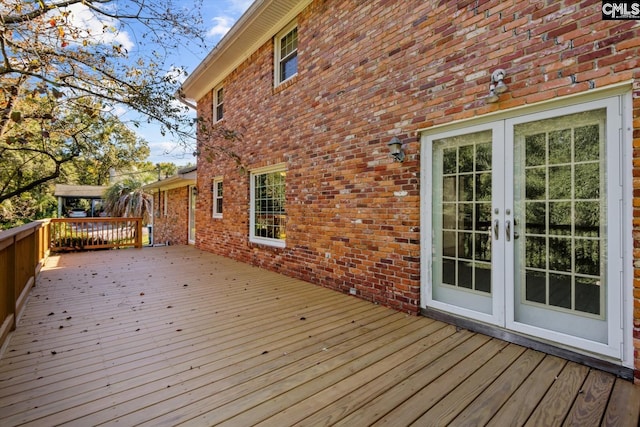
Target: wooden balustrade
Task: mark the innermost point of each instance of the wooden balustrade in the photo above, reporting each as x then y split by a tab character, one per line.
77	234
23	251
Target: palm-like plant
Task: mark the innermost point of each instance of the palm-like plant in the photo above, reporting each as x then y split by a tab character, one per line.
127	199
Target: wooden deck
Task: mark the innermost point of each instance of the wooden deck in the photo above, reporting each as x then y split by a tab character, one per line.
171	335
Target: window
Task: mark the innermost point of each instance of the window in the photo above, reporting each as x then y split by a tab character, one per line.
218	104
268	216
217	197
286	51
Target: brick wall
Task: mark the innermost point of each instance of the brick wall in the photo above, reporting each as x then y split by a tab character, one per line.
174	227
372	70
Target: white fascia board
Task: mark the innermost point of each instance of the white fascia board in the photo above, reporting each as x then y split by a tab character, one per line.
256	26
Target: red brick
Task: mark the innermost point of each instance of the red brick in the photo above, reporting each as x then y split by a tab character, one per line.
365	77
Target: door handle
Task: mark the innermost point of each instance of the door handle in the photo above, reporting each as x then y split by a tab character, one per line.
496	230
508	230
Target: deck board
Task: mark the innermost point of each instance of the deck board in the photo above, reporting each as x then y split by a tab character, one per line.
176	336
519	406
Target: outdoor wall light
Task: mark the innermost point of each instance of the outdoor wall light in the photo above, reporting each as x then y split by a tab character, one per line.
497	85
395	149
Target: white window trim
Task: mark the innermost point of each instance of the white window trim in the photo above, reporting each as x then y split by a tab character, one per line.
279	243
276	51
214	191
165	202
216	104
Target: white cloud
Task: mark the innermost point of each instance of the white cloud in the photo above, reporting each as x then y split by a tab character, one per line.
221	24
84	18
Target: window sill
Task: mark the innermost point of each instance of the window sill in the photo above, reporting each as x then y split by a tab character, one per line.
275	243
285	84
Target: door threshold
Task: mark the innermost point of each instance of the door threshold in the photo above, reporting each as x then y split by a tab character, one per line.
512	337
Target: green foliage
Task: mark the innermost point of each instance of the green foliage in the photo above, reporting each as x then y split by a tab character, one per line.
69	69
127	199
29	206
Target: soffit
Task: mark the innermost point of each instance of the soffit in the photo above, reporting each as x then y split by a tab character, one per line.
259	24
80	191
175	181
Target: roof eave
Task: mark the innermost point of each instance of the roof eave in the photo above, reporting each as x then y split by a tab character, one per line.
175	181
256	26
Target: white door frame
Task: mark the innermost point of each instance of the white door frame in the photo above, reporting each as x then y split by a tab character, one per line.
191	214
620	300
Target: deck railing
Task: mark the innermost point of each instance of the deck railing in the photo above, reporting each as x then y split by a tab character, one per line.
23	251
76	234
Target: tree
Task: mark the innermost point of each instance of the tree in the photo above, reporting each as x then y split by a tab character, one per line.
77	146
127	199
65	64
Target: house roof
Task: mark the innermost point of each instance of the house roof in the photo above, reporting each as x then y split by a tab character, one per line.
184	177
256	26
79	191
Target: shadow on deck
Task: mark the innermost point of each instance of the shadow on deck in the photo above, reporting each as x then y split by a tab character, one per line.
173	335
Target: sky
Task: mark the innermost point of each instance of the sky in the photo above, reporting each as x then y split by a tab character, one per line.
219	16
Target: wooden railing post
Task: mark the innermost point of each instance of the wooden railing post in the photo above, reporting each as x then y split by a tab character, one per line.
7	287
23	251
138	232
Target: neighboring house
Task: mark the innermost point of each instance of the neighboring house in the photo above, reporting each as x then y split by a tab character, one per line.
174	204
69	197
512	211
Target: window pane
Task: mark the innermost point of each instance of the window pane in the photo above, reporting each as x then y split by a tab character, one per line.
466	159
535	150
588	181
466	188
564	235
449	163
269	217
536	287
449	216
289	55
217	197
587	145
560	254
535	184
560	146
449	243
560	290
536	252
536	217
463	180
289	68
560	218
483	157
587	222
587	253
560	182
219	103
588	295
289	43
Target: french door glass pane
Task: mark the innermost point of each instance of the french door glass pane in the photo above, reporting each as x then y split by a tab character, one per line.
561	243
462	197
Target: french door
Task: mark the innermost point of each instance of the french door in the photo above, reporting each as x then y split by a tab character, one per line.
524	224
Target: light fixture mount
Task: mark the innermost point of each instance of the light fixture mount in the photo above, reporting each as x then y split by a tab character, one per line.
497	86
395	149
497	78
